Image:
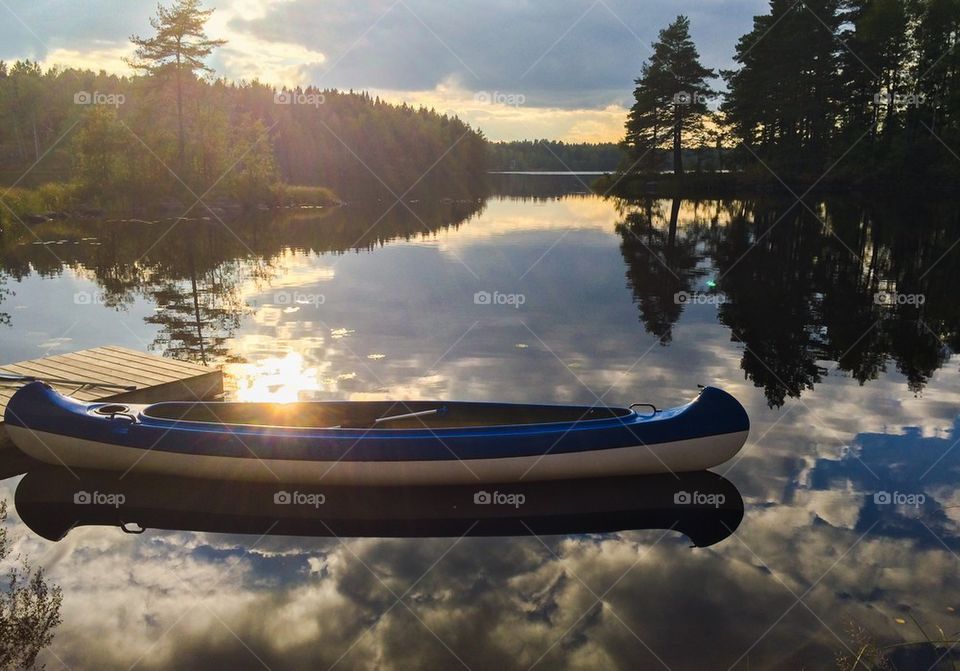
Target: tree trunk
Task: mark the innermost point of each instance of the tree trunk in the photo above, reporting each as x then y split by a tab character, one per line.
195	293
674	218
677	145
36	138
181	147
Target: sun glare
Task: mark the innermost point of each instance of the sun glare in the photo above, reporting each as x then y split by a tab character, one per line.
281	379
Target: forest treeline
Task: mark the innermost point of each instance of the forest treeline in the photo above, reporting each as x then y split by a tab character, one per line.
170	132
867	90
120	138
554	155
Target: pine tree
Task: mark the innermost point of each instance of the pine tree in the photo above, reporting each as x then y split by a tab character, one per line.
180	45
785	100
671	96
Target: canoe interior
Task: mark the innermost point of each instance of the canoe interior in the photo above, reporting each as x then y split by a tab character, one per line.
362	414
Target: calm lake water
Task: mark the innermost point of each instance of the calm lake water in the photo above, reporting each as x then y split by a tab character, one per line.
833	322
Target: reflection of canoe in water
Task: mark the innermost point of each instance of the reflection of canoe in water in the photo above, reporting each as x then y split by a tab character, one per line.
703	506
376	442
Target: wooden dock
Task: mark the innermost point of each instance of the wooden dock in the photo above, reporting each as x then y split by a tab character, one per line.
155	378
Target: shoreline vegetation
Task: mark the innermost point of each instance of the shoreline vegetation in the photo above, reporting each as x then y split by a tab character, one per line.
857	95
753	183
60	200
170	138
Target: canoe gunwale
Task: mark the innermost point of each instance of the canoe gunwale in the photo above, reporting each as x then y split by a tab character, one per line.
622	416
476	429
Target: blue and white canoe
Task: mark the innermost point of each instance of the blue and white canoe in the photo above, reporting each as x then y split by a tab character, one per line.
376	442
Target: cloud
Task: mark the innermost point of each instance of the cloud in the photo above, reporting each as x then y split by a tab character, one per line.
573	63
107	57
506	115
39	28
557	54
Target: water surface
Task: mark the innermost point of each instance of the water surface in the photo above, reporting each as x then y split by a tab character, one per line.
834	322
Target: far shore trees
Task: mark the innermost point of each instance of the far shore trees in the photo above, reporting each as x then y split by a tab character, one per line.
671	98
170	139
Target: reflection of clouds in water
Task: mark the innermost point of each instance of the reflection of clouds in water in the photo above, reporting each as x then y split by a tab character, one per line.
502	603
493	602
364	296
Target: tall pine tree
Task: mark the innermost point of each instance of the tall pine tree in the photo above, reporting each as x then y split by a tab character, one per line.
180	45
671	96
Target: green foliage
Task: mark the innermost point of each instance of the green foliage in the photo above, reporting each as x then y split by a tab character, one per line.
785	95
252	170
173	135
283	195
180	40
102	168
239	143
17	203
57	196
873	82
178	49
29	608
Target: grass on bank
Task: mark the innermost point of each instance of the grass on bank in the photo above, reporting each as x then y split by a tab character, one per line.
71	198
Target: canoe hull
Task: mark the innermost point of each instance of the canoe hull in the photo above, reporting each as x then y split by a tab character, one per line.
65	432
681	456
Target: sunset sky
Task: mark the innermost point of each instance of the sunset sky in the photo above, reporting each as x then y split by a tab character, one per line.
514	69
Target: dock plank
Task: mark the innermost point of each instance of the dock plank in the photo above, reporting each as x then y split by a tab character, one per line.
63	369
156	379
128	372
182	367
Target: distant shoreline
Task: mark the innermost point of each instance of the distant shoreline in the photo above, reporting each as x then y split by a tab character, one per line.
551	173
719	184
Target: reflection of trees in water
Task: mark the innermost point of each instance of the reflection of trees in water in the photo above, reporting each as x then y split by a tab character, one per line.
661	263
29	607
195	272
797	293
197	319
770	308
4	293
